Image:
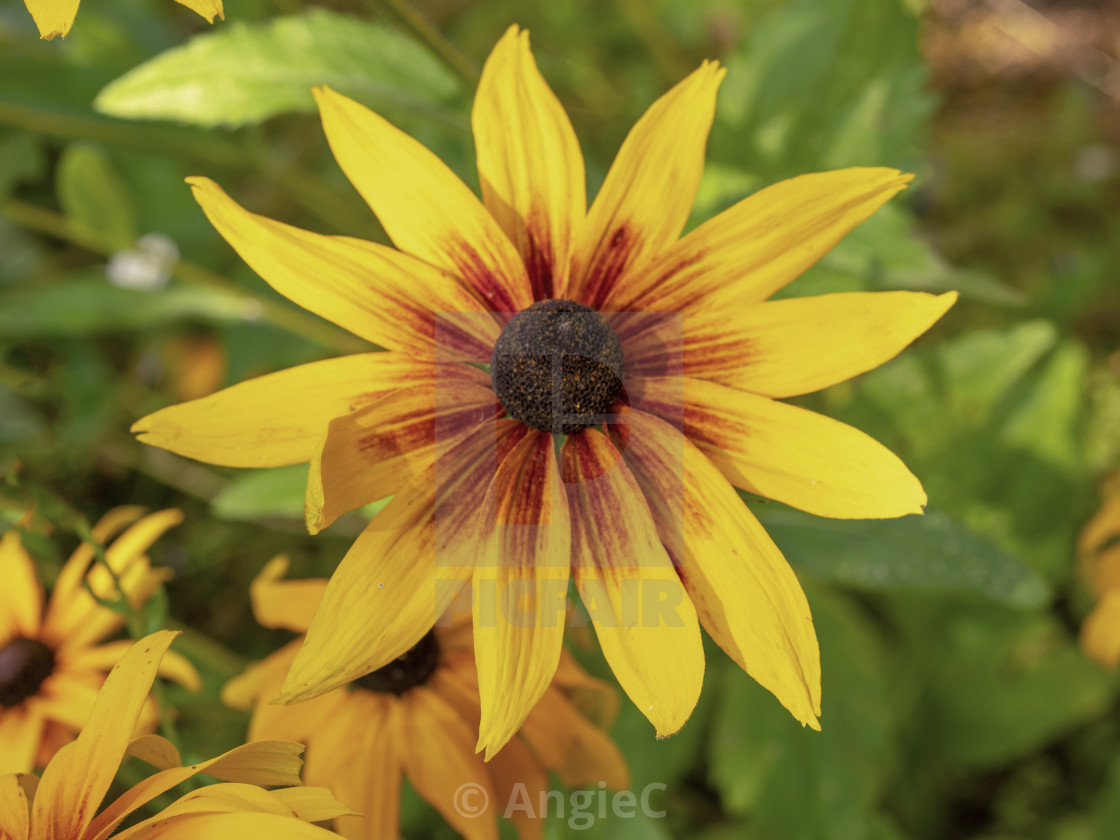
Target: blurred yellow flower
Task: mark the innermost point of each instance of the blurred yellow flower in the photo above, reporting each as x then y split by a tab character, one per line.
64	804
52	659
55	17
417	717
1098	550
568	394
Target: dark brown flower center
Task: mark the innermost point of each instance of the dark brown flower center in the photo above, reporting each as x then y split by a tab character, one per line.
408	670
557	366
24	664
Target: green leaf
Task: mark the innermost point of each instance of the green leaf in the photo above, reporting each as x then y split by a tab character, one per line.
1047	420
1003	684
275	492
980	368
257	494
884	253
94	198
794	783
19	422
821	84
1107	810
87	305
243	74
929	552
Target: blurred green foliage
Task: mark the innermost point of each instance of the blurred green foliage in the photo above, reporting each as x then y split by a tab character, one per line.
956	701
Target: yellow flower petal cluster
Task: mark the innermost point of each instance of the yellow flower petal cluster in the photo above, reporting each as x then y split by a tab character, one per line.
64	804
53	659
1098	550
55	17
361	741
636	506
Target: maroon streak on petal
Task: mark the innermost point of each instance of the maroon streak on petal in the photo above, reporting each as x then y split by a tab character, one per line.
374	451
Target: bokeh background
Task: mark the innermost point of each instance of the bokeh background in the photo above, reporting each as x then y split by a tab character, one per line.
957	702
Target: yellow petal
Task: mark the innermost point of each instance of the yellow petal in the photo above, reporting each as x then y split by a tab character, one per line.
52	17
156	751
179	670
1105	571
289	604
423	206
319	720
751	250
645	622
209	9
373	291
223	798
279	418
81	620
372	785
568	743
66	698
226	826
442	767
21	595
1100	633
521	583
21	732
1101	528
596	699
373	452
529	162
72	577
14	812
783	348
103	657
78	777
521	783
786	453
259	763
402	573
647	195
313	804
747	596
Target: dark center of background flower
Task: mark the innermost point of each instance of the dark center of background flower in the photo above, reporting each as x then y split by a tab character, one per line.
408	670
557	366
24	664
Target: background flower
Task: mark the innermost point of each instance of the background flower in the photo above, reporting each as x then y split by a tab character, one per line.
53	657
1098	551
417	718
62	805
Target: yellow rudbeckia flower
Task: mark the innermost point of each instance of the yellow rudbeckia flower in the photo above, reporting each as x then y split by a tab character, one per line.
55	17
1098	549
64	804
52	658
417	717
588	319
